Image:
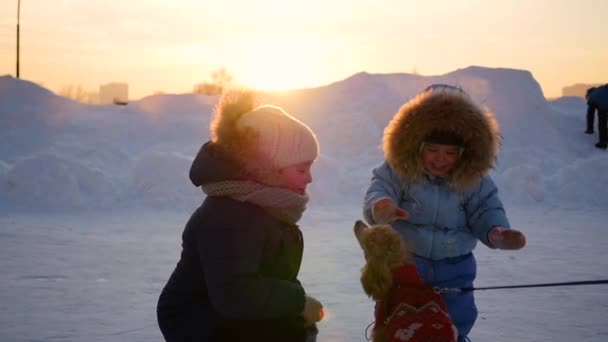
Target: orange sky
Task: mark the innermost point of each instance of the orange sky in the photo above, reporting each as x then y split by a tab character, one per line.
167	46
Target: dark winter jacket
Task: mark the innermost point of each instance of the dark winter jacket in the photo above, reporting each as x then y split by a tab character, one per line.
599	98
236	279
588	92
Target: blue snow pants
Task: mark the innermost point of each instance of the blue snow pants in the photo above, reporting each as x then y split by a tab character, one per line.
454	272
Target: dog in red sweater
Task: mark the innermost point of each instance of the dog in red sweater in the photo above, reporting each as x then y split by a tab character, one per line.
406	308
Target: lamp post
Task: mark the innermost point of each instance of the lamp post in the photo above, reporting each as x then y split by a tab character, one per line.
18	16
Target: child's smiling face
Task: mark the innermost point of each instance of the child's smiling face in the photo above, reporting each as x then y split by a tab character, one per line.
439	159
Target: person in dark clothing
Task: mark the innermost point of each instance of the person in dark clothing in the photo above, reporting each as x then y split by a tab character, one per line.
237	277
598	98
590	111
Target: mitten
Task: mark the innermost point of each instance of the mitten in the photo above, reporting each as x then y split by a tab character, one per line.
386	211
313	311
505	238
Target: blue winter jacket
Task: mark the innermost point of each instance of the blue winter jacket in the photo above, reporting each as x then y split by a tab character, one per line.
443	223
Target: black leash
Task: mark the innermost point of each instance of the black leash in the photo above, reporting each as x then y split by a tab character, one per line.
569	283
440	290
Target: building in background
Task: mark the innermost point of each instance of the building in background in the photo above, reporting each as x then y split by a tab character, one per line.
114	93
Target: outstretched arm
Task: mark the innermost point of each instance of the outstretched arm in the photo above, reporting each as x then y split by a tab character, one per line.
506	238
487	219
382	198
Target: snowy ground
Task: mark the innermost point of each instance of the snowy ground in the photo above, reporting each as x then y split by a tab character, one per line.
96	277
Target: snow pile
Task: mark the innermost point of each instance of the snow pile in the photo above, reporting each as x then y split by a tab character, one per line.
161	180
58	154
569	105
49	182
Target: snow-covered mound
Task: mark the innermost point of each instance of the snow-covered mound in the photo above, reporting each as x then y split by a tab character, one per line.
47	182
59	154
161	180
569	105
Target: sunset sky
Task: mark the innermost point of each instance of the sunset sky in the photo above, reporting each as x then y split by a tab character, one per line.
170	46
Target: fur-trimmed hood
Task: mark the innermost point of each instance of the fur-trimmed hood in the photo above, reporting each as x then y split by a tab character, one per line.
442	108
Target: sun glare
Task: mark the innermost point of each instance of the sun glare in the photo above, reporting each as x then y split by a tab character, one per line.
282	64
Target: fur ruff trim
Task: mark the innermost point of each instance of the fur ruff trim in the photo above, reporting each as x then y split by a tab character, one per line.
442	109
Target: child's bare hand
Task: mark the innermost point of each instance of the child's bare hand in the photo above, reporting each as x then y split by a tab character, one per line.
386	211
313	311
504	238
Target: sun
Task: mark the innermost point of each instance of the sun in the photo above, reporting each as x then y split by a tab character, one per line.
281	64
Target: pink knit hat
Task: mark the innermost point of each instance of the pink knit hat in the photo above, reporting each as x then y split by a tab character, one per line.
282	139
261	139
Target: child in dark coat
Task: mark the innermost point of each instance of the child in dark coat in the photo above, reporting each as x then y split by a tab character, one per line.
237	277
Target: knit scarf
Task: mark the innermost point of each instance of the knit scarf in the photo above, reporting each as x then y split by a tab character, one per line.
283	204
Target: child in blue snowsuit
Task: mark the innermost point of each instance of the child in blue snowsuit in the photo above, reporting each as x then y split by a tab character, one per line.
434	189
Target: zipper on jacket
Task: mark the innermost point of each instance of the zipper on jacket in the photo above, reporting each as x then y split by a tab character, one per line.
435	188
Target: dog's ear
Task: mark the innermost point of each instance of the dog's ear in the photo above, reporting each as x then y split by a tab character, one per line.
359	229
376	279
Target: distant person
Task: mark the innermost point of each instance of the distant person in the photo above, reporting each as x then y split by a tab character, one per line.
598	98
590	111
237	278
434	189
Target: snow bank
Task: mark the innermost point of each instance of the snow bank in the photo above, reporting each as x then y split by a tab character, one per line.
58	154
569	105
161	180
582	184
47	182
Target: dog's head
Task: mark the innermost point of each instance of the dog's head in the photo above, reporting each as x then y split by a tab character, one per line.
384	250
